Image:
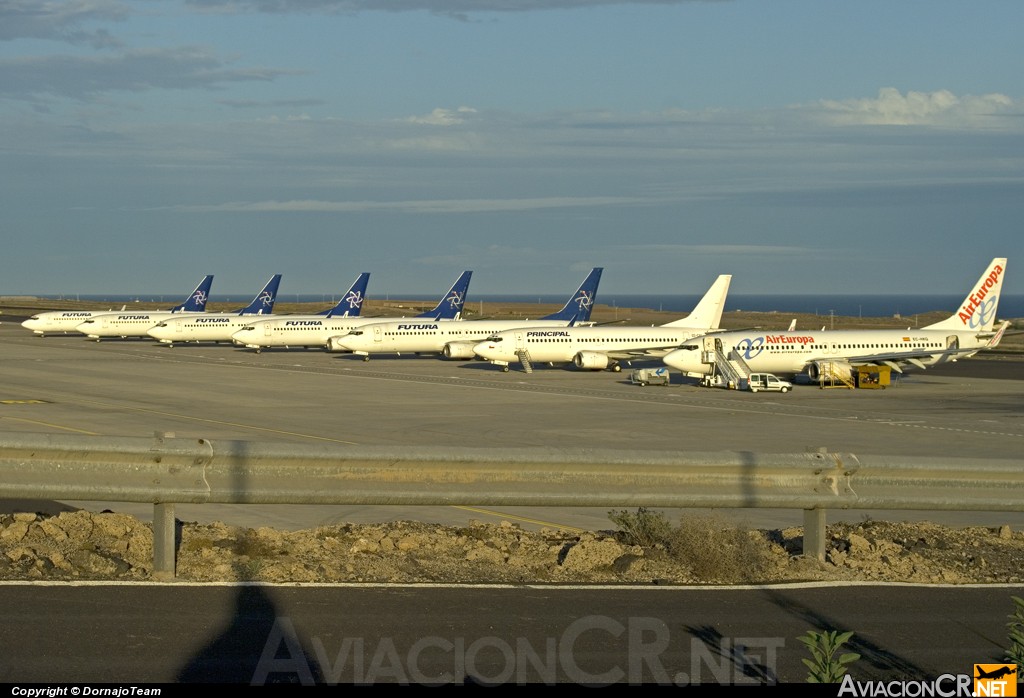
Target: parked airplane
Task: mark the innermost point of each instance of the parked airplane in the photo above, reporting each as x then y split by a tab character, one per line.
455	340
837	353
220	328
138	324
67	321
605	346
290	332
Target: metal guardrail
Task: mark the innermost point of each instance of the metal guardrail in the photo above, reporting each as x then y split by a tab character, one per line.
165	471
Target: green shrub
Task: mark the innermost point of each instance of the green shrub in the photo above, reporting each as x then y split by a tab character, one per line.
1015	654
824	666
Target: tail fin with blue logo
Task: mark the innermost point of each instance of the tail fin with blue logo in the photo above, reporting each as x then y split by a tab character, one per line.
450	306
579	306
978	310
196	303
263	303
351	303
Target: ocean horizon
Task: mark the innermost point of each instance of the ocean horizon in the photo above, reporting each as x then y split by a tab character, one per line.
1010	306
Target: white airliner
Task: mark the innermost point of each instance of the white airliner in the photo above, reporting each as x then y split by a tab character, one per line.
602	347
125	325
67	321
290	332
837	353
219	327
453	339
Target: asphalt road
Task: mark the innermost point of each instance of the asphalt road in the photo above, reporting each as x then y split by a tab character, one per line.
144	634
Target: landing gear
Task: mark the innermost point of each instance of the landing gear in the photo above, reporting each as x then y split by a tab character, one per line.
504	369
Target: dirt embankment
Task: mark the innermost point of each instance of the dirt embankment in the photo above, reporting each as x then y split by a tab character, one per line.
81	545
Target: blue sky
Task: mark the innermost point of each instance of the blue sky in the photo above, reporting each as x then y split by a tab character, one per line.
802	146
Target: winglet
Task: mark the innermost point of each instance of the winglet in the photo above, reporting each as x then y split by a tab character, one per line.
577	309
450	306
196	302
998	335
351	303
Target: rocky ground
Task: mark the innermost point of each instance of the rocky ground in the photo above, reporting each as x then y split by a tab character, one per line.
81	545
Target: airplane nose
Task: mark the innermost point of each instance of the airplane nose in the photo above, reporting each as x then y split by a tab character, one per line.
484	349
680	359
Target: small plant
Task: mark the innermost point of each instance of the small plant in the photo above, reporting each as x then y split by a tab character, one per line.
1015	654
645	528
824	667
714	550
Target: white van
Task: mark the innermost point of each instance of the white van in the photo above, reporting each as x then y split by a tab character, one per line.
767	381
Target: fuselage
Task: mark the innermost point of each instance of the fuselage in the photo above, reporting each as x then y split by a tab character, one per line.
793	353
200	327
127	324
295	330
59	321
584	346
452	338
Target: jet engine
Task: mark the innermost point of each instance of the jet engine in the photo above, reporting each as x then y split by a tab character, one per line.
458	350
591	360
825	370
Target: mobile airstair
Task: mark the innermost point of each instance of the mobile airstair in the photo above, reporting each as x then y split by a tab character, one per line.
727	370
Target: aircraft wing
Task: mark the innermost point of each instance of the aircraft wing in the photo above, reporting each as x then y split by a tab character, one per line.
897	359
636	354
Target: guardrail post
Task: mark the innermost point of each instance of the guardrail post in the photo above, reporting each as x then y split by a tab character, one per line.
814	533
164	540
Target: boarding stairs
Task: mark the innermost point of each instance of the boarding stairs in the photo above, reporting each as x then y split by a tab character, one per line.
524	359
831	376
732	368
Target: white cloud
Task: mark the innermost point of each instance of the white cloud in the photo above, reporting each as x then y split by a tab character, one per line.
440	206
443	117
940	108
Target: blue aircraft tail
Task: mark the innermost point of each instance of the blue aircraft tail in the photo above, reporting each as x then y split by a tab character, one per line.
263	303
196	303
351	303
450	306
578	308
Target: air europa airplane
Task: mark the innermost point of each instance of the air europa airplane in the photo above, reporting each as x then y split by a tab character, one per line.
600	347
67	321
288	332
971	328
455	340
